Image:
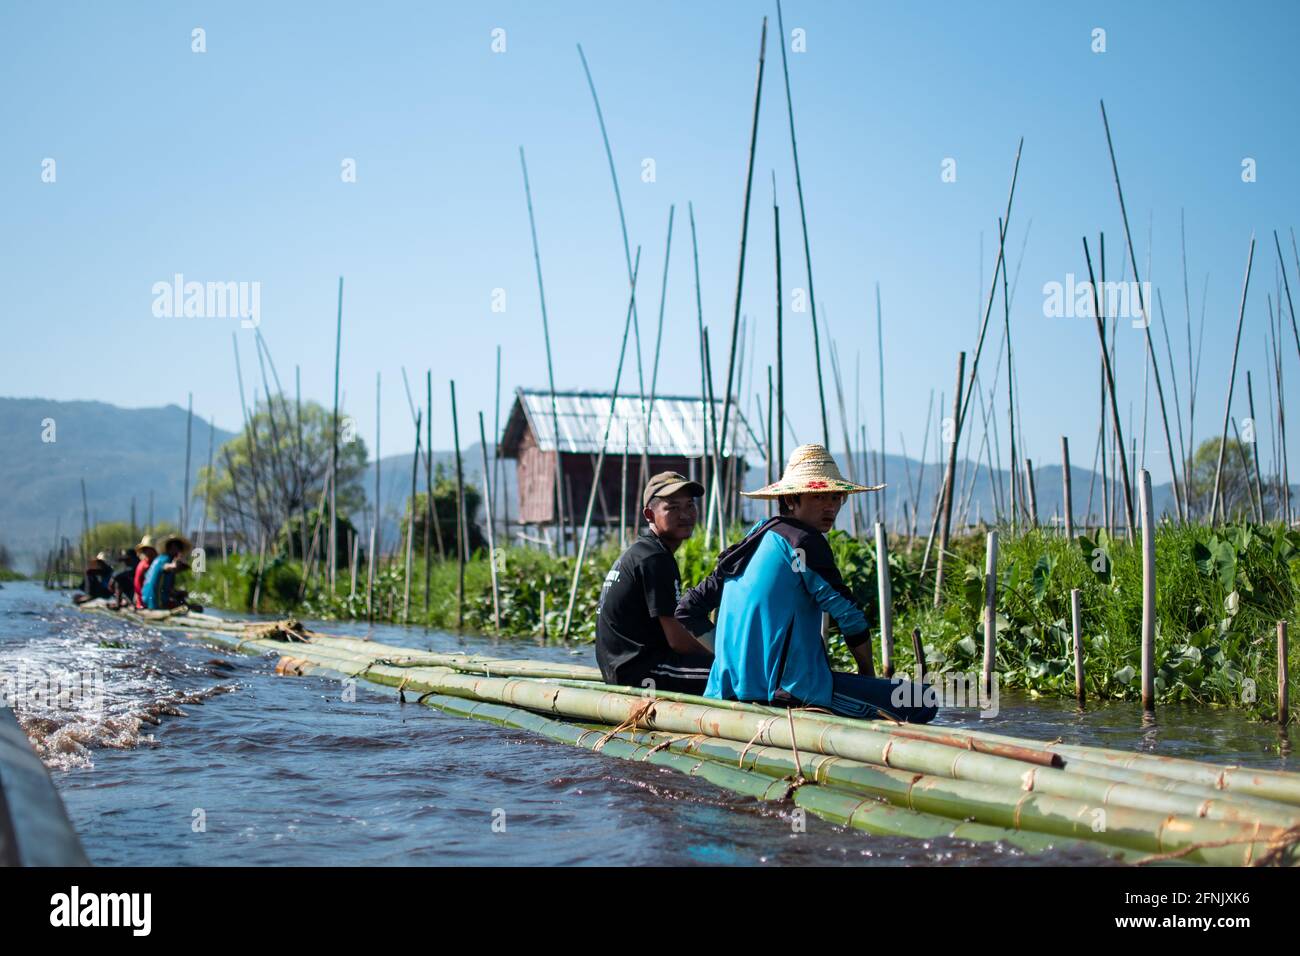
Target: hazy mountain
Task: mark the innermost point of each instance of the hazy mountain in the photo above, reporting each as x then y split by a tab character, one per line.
129	453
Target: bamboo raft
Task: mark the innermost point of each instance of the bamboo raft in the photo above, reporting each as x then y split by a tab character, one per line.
905	780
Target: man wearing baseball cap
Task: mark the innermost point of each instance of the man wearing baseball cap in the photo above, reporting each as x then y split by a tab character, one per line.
639	641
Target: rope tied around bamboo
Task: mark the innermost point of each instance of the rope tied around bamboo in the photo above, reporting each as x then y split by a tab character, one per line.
638	713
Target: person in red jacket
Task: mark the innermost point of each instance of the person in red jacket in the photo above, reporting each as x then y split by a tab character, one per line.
147	552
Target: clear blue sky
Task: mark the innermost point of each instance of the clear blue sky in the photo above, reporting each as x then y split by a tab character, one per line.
225	166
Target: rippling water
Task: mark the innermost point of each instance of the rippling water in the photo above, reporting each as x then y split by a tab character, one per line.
171	752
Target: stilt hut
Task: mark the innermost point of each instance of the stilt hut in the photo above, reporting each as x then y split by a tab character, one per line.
673	440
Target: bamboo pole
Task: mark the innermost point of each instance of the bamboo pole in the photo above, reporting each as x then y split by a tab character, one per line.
352	567
918	652
1116	427
945	505
1076	628
659	327
370	577
622	497
604	442
990	607
492	548
886	601
428	485
1032	493
462	532
881	477
744	234
1148	593
627	257
779	436
1254	446
1065	482
377	540
1232	377
189	432
334	448
1283	682
410	523
546	336
1146	318
803	221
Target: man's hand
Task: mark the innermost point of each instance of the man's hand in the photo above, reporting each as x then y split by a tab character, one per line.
862	654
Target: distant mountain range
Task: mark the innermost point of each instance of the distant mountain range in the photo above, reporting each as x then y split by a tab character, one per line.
47	447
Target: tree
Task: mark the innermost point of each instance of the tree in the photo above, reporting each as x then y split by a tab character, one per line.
276	468
1236	484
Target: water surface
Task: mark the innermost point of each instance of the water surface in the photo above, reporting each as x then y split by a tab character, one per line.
190	755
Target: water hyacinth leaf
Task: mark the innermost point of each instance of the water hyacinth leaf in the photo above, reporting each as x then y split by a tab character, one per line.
1232	603
1125	674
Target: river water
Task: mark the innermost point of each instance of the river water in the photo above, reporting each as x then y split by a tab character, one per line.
167	751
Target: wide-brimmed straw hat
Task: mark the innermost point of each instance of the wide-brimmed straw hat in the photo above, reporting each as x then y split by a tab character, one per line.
97	560
183	541
810	470
146	542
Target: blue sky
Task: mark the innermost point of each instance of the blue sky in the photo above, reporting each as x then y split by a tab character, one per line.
225	166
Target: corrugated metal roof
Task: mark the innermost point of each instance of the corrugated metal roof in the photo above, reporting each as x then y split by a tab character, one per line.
677	426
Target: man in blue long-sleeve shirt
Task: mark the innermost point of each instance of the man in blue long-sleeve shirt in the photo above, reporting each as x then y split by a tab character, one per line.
770	591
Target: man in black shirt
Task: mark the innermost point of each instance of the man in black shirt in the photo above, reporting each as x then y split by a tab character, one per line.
639	641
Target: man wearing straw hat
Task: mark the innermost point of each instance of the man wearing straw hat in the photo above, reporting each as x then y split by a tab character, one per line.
159	592
98	574
639	642
770	590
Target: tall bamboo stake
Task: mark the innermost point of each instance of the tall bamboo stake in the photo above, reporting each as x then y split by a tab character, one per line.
1032	493
659	327
428	487
207	497
1076	629
744	234
706	395
1254	445
352	567
462	531
1146	318
492	547
1121	460
410	523
780	347
627	256
1148	593
370	576
189	432
945	504
1232	377
377	540
604	442
334	450
1283	681
990	607
886	601
881	477
803	221
546	336
1065	482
